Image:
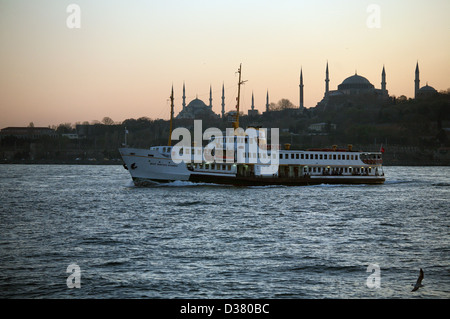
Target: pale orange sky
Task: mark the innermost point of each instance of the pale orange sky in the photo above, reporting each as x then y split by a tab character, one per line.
126	55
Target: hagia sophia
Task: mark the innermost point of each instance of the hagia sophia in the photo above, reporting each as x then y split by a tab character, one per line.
353	89
356	88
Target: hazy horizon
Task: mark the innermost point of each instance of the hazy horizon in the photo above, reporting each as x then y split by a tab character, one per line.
125	56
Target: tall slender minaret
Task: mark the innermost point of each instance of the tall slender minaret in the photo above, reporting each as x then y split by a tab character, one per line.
184	97
267	101
253	102
210	97
327	81
223	100
416	81
383	81
171	118
301	90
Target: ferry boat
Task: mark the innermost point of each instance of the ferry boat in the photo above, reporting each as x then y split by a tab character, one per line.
244	166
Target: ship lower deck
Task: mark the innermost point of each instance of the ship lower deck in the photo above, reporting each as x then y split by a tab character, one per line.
287	181
265	181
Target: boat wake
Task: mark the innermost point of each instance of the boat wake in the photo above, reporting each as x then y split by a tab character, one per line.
339	185
391	182
129	184
268	186
187	184
184	184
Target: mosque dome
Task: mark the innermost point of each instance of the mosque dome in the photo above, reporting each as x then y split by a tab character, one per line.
355	82
195	109
427	89
197	104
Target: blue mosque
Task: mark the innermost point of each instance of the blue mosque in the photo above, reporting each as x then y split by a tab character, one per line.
196	108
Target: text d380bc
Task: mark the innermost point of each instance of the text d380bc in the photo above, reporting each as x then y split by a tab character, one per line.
246	308
234	308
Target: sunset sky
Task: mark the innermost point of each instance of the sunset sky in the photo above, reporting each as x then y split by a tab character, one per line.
126	55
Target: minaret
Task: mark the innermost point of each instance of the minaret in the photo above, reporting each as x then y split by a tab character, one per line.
301	90
327	81
253	102
416	81
210	97
383	81
171	118
184	97
267	101
223	100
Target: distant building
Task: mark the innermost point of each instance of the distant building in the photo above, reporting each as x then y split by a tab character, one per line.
28	132
70	136
353	90
196	108
322	127
84	130
422	92
230	117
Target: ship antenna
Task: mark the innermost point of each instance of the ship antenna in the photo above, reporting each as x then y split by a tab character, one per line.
171	118
236	122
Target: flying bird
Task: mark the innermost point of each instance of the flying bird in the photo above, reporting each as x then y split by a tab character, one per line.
419	281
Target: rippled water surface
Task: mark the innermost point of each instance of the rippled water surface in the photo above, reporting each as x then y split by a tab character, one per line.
183	240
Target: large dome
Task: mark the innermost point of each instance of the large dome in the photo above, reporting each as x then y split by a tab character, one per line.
355	82
427	89
197	104
196	108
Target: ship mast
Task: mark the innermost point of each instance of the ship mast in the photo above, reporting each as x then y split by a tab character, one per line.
236	122
171	118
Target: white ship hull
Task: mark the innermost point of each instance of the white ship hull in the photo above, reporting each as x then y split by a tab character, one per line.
147	166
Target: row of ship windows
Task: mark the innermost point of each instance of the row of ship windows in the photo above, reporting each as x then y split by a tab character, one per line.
297	156
320	156
338	170
212	166
246	155
323	170
291	156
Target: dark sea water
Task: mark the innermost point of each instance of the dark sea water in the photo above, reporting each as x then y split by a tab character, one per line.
183	240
